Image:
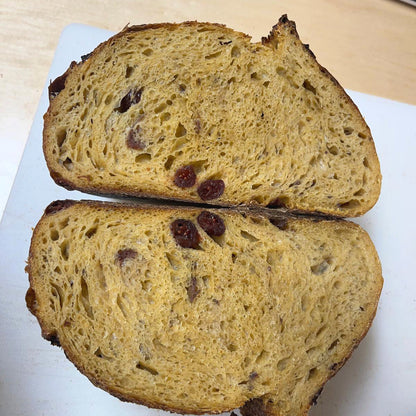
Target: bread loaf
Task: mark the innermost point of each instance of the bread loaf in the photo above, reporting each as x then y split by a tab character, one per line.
202	311
196	112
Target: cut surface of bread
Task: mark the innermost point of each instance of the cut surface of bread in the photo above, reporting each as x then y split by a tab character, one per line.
197	112
202	311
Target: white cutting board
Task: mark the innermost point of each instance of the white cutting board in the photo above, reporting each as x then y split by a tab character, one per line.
379	379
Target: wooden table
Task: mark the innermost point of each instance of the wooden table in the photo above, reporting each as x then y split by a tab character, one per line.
368	45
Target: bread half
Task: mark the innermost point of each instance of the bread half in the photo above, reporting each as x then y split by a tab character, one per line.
202	311
197	112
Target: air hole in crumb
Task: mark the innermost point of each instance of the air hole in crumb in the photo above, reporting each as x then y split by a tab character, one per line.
305	302
129	71
321	330
54	235
160	108
266	84
313	372
65	249
165	117
365	162
68	165
147	368
255	76
262	357
213	55
121	306
362	135
321	267
98	353
333	150
108	99
58	293
307	85
182	87
348	130
248	236
144	157
60	137
235	51
91	232
232	79
174	263
180	130
147	52
282	364
85	298
333	345
353	203
360	192
169	162
231	347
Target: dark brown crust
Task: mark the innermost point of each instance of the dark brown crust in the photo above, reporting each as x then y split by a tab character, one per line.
58	206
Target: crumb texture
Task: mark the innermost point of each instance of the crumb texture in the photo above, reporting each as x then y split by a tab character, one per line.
162	110
258	313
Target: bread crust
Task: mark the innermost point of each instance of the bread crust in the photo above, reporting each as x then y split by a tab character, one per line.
254	407
283	25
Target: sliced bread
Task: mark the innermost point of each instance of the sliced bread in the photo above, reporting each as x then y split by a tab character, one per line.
197	112
202	311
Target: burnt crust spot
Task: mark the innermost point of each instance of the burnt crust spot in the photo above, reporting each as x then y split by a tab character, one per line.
58	84
52	338
254	407
58	206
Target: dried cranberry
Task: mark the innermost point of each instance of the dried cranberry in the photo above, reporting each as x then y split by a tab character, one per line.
211	223
132	97
185	233
133	139
211	189
185	177
279	223
123	255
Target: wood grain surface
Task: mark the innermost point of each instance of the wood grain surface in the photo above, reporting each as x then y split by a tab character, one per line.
368	45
